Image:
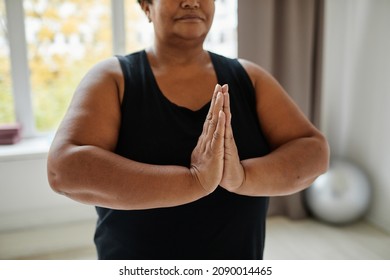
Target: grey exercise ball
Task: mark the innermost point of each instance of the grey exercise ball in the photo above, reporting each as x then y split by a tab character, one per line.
340	196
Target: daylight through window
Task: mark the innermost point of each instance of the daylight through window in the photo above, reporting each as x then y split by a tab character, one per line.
65	38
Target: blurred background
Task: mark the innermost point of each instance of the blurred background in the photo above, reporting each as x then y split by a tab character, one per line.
332	56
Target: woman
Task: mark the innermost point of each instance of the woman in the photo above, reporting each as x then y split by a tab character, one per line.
178	166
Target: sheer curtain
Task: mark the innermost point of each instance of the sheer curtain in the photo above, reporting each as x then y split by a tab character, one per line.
285	37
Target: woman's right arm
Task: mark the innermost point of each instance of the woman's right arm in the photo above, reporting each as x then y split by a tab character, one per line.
83	166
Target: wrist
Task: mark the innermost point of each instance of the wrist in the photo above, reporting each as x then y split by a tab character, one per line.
196	183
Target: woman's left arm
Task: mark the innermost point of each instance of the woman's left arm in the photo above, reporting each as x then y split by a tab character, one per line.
299	151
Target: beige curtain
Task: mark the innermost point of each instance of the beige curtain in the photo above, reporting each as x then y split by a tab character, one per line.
285	37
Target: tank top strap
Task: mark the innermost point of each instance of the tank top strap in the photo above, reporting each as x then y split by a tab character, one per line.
231	68
231	72
132	66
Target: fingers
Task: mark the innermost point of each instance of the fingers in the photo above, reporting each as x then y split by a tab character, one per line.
226	110
211	112
217	142
229	143
207	156
219	102
225	88
217	89
233	172
212	121
215	159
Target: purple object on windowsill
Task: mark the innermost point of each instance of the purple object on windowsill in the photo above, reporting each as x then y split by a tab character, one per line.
9	134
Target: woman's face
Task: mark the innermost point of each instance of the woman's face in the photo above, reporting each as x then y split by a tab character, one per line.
180	19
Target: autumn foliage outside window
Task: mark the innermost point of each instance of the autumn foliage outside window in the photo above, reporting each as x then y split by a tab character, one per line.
65	38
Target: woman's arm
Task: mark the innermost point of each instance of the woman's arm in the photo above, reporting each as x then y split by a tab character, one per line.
83	166
299	152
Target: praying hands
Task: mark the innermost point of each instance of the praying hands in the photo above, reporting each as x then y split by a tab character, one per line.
215	159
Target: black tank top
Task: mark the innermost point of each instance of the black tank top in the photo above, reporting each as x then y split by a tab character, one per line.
153	130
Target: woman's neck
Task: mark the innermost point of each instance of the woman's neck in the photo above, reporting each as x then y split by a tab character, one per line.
177	55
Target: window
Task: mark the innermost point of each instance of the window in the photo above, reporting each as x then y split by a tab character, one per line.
222	37
137	29
64	39
61	40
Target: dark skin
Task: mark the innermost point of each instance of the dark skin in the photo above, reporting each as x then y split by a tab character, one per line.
83	166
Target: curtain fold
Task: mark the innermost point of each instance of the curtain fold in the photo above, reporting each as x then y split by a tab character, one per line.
286	37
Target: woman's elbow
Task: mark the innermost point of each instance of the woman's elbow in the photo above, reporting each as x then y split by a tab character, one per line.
323	154
53	177
316	164
56	170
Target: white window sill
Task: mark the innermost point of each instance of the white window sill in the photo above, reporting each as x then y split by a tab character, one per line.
31	148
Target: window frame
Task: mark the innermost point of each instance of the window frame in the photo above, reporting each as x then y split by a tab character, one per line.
21	87
20	76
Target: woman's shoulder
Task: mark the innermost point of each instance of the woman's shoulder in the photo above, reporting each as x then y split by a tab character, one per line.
252	68
257	73
112	65
108	66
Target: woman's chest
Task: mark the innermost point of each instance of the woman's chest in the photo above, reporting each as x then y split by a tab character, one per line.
191	89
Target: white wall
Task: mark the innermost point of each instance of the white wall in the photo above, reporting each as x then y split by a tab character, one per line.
356	92
26	199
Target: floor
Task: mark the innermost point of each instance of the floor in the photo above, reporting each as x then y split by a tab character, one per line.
310	239
286	239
